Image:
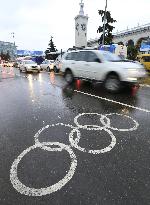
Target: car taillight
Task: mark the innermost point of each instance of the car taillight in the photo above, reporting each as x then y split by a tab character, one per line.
60	65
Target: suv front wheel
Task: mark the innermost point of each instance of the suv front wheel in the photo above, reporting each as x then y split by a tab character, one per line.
69	76
112	83
25	70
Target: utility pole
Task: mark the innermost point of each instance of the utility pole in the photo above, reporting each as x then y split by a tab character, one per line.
104	23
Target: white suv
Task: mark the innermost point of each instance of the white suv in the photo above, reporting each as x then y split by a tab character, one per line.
101	66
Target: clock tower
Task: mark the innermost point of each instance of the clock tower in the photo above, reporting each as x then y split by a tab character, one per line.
81	27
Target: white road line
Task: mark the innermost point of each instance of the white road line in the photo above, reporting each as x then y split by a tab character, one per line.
113	101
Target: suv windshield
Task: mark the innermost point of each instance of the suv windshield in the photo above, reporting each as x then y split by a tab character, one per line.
111	57
29	62
146	58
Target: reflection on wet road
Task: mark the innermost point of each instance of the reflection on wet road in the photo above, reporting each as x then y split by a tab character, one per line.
72	144
128	98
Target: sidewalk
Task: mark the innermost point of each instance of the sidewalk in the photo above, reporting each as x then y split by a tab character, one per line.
6	72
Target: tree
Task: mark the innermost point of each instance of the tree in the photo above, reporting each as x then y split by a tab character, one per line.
132	52
51	48
108	27
2	55
130	43
5	56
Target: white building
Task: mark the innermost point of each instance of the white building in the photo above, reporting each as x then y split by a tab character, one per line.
81	22
133	34
8	47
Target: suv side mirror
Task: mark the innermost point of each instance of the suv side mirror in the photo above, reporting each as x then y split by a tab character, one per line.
97	60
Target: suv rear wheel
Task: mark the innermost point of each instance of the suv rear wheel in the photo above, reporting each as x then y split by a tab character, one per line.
112	83
69	76
56	70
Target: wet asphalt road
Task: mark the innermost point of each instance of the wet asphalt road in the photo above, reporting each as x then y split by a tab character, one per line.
69	162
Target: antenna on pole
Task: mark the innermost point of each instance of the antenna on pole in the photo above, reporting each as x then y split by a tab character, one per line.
81	12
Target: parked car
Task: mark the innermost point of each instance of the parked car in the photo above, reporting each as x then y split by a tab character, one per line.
29	65
57	63
8	64
16	64
5	63
145	60
103	66
47	65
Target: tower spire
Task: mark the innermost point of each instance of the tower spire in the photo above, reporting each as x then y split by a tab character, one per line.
81	12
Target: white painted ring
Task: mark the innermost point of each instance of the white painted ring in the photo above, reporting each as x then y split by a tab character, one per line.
91	127
74	142
23	189
136	124
44	147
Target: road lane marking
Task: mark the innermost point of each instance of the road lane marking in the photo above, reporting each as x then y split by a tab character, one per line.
113	101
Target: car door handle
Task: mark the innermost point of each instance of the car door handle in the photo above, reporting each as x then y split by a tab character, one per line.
72	63
87	64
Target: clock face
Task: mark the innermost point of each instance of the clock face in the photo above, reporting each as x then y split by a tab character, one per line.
83	26
77	26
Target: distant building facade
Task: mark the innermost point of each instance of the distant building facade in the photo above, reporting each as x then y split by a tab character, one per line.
8	47
133	34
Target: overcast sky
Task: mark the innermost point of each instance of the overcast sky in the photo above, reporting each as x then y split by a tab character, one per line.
34	21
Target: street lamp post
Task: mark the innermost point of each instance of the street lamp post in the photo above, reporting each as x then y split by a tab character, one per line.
104	23
14	49
13	35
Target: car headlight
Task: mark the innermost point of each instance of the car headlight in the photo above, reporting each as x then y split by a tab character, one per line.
133	70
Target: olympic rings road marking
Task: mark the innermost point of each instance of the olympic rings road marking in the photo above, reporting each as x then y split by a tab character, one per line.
21	188
74	143
124	130
45	147
58	147
91	127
